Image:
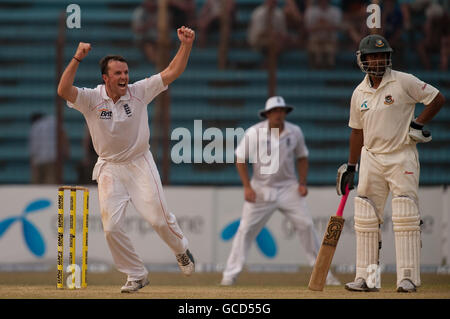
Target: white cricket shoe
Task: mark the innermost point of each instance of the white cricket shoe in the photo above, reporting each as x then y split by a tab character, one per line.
228	281
186	263
332	280
134	285
359	285
406	285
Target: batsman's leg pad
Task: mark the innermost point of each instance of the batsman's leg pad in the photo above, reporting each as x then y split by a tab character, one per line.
406	222
367	236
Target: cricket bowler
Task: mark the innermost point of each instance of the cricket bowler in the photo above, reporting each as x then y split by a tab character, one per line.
116	114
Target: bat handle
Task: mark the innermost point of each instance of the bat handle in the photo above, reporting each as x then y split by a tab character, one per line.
343	201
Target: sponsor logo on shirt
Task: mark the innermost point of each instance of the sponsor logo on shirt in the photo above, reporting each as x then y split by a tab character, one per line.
105	114
364	106
409	173
424	86
388	100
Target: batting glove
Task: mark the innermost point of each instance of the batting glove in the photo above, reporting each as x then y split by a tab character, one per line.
345	176
417	133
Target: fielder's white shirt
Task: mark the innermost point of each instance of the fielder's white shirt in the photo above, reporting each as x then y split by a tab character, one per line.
290	146
120	130
385	114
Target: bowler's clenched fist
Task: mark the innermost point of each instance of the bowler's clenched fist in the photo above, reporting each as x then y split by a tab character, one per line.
82	50
186	35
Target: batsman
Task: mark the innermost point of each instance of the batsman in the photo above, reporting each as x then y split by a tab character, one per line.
384	135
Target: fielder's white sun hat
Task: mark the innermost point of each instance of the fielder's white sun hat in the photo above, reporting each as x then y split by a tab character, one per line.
274	102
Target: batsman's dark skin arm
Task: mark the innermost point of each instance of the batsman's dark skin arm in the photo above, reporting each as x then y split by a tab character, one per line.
431	109
356	143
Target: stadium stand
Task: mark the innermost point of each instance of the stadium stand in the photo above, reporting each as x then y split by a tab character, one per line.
221	98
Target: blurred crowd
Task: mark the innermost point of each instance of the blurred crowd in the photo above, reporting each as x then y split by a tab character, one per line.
321	27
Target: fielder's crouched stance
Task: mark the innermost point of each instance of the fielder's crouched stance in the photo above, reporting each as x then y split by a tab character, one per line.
384	136
273	189
116	114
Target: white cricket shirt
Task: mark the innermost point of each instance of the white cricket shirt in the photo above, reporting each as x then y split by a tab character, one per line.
290	146
120	130
385	114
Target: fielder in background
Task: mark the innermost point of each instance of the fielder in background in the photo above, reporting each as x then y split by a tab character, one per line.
43	148
116	114
384	134
269	191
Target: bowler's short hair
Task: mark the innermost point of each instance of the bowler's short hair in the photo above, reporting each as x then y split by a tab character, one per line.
105	60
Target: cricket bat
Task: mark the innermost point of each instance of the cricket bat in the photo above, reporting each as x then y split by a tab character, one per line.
329	243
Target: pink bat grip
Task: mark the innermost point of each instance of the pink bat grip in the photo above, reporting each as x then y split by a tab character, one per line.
343	201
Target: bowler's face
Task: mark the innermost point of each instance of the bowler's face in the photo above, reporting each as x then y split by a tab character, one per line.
276	116
117	78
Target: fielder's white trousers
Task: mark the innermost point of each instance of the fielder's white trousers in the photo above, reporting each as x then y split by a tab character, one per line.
137	182
255	215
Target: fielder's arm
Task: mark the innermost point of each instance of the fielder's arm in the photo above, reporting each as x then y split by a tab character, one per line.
431	109
178	64
66	89
302	169
249	193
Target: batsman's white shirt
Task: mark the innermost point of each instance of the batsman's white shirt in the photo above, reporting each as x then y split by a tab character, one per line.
386	113
125	170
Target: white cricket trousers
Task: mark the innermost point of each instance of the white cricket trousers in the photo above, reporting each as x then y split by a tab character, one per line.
255	215
137	182
397	172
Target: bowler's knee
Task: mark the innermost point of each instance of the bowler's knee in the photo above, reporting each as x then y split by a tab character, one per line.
109	235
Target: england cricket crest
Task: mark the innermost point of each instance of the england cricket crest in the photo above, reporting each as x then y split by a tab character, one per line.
333	232
127	110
